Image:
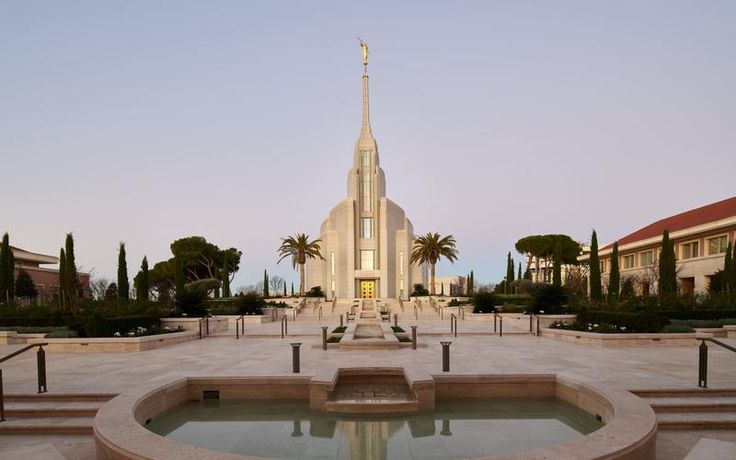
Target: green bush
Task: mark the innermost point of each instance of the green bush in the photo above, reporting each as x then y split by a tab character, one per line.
316	291
699	314
250	304
514	299
623	321
419	291
339	329
404	339
676	328
484	302
397	329
190	302
333	339
548	298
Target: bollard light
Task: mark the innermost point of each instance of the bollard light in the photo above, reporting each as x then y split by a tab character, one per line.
295	364
445	356
324	337
414	337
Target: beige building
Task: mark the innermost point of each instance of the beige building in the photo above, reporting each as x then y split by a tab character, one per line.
454	285
701	237
367	238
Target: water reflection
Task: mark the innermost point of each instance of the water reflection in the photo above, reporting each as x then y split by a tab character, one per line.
456	429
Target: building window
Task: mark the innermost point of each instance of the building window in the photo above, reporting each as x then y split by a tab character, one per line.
646	259
366	260
629	261
365	158
332	263
367	191
603	266
690	250
366	227
401	264
717	245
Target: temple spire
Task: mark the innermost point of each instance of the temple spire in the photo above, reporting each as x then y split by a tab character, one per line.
365	126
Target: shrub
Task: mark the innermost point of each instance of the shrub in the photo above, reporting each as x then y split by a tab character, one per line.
699	314
397	329
339	329
548	298
676	328
624	321
316	291
404	339
419	291
190	302
484	302
250	304
333	339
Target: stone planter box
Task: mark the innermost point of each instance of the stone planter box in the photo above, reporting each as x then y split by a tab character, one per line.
116	344
622	340
715	332
730	331
217	324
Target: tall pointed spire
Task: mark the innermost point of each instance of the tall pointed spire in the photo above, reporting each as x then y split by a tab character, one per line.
365	126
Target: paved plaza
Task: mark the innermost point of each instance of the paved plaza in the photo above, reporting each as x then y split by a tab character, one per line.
262	352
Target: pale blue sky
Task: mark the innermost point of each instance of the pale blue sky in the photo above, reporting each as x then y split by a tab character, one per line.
144	121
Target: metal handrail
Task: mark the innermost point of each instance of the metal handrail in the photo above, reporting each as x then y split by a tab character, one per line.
497	324
239	326
40	366
703	359
453	324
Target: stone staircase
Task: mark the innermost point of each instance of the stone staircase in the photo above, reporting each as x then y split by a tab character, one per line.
692	409
48	413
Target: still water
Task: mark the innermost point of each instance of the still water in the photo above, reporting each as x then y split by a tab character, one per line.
455	429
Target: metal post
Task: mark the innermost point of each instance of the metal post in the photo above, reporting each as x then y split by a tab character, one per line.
200	329
396	319
282	327
495	323
445	356
237	329
456	327
537	325
242	325
531	317
286	325
207	324
295	357
703	366
41	361
320	313
500	324
324	337
340	319
2	400
414	337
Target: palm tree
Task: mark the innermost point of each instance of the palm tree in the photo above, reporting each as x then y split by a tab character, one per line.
299	248
430	248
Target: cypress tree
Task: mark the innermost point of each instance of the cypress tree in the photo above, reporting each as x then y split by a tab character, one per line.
179	279
528	274
557	268
614	280
509	273
726	284
667	268
595	269
144	285
518	274
442	289
70	273
7	271
292	289
123	285
265	284
62	278
284	288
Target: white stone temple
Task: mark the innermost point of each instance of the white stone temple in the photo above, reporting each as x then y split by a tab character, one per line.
367	238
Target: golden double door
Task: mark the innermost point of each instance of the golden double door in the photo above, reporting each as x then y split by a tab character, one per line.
368	289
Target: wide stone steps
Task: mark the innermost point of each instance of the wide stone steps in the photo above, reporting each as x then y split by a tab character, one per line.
51	413
693	409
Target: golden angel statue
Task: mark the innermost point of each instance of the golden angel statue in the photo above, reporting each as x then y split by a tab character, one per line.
364	47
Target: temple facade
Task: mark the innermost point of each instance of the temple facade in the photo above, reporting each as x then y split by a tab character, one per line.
367	238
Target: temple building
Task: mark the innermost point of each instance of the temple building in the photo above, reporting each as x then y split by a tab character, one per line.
367	238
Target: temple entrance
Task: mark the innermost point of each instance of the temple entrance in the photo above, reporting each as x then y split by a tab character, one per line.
368	289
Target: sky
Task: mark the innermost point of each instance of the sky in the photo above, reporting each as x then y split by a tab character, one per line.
148	121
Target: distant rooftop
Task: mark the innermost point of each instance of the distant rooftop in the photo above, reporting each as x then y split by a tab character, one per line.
21	255
699	216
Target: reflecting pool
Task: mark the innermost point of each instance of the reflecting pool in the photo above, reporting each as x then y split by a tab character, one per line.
455	429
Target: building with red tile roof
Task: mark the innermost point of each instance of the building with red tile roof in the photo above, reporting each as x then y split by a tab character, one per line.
45	279
701	236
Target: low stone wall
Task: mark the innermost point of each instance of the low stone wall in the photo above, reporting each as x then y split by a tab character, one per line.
116	344
216	324
730	331
622	340
14	338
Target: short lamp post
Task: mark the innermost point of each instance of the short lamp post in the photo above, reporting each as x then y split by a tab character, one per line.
445	356
295	357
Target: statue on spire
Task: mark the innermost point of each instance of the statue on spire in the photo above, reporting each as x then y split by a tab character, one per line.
364	47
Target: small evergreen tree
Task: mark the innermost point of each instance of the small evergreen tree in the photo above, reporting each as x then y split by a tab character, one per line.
442	288
726	280
292	289
509	273
284	288
71	279
614	280
518	274
62	279
180	279
595	269
557	268
667	268
123	285
111	293
265	284
144	284
24	286
7	271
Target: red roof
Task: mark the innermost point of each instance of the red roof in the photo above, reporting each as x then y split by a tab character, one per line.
698	216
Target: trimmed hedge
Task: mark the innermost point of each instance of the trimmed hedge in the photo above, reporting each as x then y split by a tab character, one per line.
633	322
698	314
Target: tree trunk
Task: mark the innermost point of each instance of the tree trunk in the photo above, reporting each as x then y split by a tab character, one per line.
301	280
431	283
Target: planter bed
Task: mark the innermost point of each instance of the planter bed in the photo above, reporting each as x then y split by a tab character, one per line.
117	344
217	324
623	340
